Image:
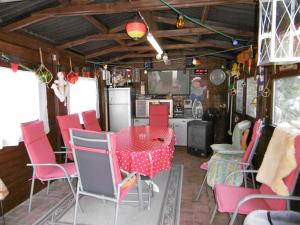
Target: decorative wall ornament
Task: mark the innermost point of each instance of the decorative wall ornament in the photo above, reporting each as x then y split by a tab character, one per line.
60	87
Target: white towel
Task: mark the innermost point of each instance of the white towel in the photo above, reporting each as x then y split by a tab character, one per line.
279	160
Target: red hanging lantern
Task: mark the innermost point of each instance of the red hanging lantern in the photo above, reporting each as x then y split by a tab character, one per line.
136	29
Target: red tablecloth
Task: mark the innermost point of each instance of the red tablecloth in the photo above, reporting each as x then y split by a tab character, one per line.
139	150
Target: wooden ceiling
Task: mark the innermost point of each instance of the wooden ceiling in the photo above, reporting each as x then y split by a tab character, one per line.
161	20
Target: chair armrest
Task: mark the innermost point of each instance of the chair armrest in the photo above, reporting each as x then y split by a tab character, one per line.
239	171
231	152
129	176
64	152
265	196
50	164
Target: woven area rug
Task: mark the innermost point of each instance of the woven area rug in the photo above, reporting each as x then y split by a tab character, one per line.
165	206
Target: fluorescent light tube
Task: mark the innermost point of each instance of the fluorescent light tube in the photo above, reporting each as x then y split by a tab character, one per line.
154	43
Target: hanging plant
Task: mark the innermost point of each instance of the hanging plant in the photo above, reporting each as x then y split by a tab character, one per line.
42	72
72	76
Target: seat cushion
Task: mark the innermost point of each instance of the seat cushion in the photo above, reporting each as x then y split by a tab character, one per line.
229	196
56	172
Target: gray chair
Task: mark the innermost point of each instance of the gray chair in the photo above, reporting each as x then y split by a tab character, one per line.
99	175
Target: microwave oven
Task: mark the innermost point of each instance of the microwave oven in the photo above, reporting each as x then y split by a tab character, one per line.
142	106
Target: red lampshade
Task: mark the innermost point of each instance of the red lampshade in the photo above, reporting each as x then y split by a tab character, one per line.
136	30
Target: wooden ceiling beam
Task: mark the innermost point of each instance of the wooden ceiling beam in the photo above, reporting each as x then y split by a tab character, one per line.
25	22
189	39
216	44
100	26
218	26
132	6
170	54
157	34
137	42
32	19
204	14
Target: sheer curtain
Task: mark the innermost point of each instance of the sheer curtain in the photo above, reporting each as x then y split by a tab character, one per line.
83	96
23	98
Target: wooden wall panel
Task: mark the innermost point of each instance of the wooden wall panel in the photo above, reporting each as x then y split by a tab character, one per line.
13	170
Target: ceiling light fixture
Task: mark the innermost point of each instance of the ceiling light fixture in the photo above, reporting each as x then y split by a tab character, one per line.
180	22
154	43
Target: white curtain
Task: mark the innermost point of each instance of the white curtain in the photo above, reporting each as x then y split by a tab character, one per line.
23	98
83	96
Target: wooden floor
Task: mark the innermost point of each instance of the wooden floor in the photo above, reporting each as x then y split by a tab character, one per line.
196	213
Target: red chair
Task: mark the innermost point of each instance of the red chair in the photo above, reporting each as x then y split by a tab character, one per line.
42	157
65	123
90	121
240	200
159	115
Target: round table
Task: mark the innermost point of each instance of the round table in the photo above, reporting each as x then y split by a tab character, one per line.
146	150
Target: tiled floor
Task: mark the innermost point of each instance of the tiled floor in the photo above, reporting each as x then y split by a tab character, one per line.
196	213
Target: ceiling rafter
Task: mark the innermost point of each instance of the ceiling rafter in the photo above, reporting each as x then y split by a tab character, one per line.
104	29
216	44
96	23
170	54
215	25
157	34
109	8
133	6
189	39
204	16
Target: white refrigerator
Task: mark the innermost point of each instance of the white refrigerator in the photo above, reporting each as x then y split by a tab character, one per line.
120	107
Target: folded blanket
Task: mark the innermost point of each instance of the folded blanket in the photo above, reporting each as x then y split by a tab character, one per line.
279	160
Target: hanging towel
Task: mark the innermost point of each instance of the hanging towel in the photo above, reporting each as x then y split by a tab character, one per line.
279	160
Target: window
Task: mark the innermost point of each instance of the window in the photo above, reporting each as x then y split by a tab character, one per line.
251	95
286	100
83	96
23	98
239	96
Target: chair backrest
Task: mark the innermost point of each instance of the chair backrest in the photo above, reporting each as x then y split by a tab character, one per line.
290	182
238	132
90	121
38	146
252	146
159	115
96	161
65	124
